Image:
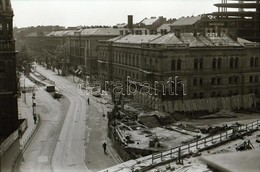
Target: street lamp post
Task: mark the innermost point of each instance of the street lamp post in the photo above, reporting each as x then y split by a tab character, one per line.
33	107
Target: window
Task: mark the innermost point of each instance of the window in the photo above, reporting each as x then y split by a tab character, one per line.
196	64
251	62
179	65
214	63
173	63
256	62
195	82
219	80
195	95
236	62
230	80
156	65
231	63
201	95
201	81
212	81
219	63
251	79
201	63
2	67
256	79
213	94
236	79
1	28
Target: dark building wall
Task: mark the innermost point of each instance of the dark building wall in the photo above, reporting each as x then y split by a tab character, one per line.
8	84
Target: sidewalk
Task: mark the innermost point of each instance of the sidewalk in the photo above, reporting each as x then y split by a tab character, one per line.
26	110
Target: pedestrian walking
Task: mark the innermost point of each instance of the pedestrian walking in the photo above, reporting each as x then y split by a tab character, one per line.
105	147
88	101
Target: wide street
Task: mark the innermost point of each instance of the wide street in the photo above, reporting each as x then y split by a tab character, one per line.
72	132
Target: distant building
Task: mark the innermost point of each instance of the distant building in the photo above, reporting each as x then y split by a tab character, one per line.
8	80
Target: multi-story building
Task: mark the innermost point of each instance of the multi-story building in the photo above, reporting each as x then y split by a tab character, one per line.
83	51
205	66
8	80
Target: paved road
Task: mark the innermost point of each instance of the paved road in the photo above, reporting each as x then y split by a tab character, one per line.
82	132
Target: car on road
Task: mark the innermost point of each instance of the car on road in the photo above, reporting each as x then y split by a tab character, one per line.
57	95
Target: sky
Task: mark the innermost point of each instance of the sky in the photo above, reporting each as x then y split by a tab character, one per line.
103	12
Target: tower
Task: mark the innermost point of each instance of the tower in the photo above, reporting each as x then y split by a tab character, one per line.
8	81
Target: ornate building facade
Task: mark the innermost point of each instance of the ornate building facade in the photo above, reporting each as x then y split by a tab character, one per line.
8	80
210	66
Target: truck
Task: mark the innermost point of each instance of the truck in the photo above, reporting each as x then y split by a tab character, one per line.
50	88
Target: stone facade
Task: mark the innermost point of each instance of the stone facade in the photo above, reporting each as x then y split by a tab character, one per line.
202	66
8	80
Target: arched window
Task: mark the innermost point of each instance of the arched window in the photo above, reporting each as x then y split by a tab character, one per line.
251	62
201	63
236	62
214	63
231	63
219	63
173	64
156	65
256	62
195	63
195	82
145	62
179	64
2	67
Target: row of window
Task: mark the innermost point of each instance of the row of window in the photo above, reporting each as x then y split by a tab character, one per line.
253	79
123	72
5	26
176	64
253	62
220	94
218	80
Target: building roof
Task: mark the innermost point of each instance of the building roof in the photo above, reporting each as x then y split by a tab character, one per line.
185	39
136	39
121	25
166	39
39	33
100	31
165	26
235	161
148	21
62	33
184	21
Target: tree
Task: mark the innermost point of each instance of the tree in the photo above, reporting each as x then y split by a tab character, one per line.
24	60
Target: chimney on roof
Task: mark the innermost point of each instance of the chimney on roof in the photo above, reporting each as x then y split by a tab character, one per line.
130	21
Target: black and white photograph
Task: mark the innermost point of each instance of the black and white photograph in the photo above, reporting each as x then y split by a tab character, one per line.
129	86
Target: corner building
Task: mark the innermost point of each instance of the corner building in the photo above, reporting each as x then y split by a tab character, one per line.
209	66
8	83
